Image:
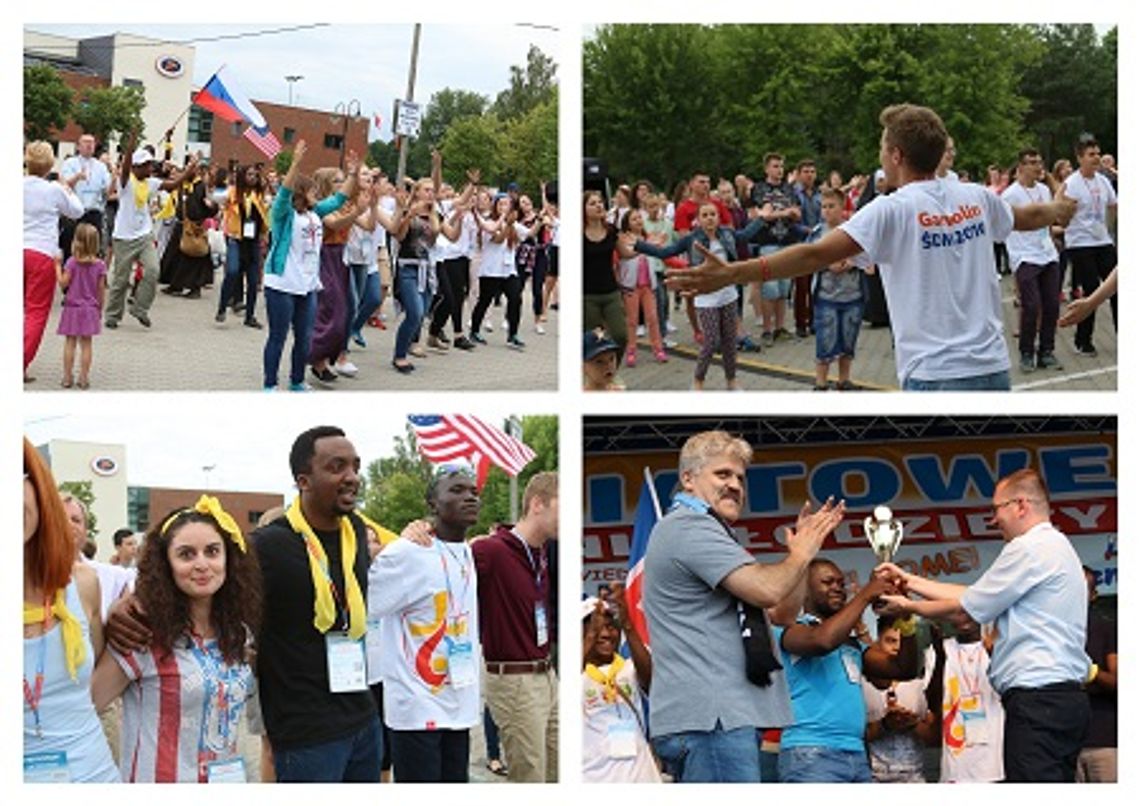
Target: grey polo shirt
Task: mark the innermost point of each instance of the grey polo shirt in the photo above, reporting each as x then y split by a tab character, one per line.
1035	593
698	656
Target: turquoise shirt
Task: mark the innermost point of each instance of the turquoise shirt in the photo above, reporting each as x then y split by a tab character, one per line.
281	222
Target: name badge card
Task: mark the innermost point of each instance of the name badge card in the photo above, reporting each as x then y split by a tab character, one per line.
621	739
46	768
541	635
461	664
248	229
345	662
851	667
977	731
230	771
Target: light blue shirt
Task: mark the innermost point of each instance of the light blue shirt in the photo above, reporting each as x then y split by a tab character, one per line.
827	696
1035	592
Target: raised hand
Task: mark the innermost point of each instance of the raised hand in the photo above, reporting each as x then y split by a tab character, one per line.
474	175
299	150
712	275
813	527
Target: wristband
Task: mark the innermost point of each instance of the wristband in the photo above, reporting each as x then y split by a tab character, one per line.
765	269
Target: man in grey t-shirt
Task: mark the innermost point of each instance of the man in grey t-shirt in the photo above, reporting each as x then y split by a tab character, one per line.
704	711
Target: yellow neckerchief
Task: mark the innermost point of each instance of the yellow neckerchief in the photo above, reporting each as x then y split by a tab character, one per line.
248	200
74	647
167	209
141	191
608	679
385	536
324	608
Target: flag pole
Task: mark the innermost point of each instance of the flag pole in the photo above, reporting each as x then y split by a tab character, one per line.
652	491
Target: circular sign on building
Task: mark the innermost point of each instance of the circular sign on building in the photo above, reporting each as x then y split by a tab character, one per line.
104	466
169	66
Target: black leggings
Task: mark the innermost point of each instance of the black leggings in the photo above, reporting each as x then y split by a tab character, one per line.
489	288
452	293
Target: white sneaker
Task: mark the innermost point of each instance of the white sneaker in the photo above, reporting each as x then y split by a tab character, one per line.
539	329
505	326
347	369
489	326
641	330
670	327
670	343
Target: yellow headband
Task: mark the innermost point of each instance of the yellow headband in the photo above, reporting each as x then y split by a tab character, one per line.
208	505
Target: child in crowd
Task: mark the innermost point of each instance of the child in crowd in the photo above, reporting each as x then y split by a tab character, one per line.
660	232
599	362
84	282
716	311
638	285
838	300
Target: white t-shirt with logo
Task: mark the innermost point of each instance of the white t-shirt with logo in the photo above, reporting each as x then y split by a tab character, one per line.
933	242
608	725
425	600
973	721
302	272
1089	226
1035	246
499	258
131	220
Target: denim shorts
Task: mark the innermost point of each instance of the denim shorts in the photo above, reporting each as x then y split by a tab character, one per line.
993	382
836	328
823	765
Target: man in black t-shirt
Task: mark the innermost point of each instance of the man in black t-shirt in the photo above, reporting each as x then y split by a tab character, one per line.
1097	761
775	201
319	714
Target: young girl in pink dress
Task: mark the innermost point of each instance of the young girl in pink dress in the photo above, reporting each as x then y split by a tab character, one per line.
84	283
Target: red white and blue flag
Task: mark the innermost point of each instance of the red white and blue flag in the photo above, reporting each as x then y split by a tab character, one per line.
263	140
222	96
646	517
463	437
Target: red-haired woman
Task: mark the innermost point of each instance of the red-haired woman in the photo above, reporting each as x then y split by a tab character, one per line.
201	590
63	740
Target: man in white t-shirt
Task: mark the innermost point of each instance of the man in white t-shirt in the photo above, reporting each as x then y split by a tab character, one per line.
133	233
425	598
1035	265
1087	239
933	242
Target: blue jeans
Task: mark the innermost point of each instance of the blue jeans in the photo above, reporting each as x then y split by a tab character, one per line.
714	756
491	735
415	304
353	759
823	765
363	297
994	382
284	311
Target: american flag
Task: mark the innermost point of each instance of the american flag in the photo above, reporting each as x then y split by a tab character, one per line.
263	140
455	437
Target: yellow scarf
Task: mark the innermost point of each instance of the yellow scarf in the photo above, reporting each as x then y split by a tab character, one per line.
74	647
140	191
608	679
385	536
324	608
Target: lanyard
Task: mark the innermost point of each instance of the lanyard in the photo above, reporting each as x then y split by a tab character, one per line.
35	692
455	607
213	681
973	660
1093	189
538	567
323	564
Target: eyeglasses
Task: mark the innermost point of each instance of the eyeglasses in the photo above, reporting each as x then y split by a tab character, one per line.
998	507
453	469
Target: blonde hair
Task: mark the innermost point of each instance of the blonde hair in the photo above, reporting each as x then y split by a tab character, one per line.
39	158
323	179
543	487
702	448
85	245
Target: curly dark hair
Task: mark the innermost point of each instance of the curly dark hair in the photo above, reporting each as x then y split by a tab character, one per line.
236	605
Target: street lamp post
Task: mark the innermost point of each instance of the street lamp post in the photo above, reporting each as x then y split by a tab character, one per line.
344	111
292	80
403	158
206	469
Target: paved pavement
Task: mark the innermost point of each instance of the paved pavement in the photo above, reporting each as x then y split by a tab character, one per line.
790	365
185	349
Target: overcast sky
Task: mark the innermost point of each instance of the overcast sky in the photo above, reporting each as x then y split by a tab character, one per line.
170	440
368	63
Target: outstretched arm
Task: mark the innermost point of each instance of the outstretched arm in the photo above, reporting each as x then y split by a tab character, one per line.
295	165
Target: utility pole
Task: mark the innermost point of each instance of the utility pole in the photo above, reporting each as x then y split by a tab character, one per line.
292	80
410	97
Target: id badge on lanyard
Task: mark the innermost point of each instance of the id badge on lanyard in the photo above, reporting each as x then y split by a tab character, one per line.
977	730
230	771
46	768
851	666
249	229
461	664
621	739
345	658
541	635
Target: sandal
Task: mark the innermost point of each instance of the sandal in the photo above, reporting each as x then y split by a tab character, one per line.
497	767
82	384
66	383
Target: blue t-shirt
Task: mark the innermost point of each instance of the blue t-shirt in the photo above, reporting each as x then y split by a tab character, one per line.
827	696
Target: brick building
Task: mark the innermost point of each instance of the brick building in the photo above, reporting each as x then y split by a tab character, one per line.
149	504
324	132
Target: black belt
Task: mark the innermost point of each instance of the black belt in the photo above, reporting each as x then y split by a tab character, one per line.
519	666
1065	685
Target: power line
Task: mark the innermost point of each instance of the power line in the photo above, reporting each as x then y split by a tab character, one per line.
193	41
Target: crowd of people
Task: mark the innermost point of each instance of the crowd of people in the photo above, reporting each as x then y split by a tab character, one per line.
348	648
818	265
767	672
324	246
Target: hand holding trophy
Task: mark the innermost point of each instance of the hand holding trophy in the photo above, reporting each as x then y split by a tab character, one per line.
884	533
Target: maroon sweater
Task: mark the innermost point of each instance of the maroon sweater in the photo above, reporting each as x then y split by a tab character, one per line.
508	592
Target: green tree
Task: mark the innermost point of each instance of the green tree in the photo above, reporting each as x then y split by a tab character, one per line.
110	111
47	102
473	142
384	156
530	147
444	108
530	86
83	492
282	162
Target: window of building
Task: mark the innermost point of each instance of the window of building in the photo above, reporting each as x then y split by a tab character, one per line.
289	134
255	516
138	508
237	127
199	125
132	82
333	141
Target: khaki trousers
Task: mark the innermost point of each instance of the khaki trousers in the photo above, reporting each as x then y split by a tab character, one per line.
525	707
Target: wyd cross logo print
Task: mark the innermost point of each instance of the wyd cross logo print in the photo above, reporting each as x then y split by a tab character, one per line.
965	214
432	668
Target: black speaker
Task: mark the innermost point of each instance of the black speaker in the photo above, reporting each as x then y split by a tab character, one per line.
595	176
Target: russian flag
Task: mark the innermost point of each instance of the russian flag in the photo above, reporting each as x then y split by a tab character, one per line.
644	519
225	99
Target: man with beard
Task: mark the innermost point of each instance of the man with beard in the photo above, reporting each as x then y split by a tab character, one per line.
825	667
319	714
425	598
711	689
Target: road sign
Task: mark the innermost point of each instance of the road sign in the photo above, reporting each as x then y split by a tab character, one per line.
408	117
